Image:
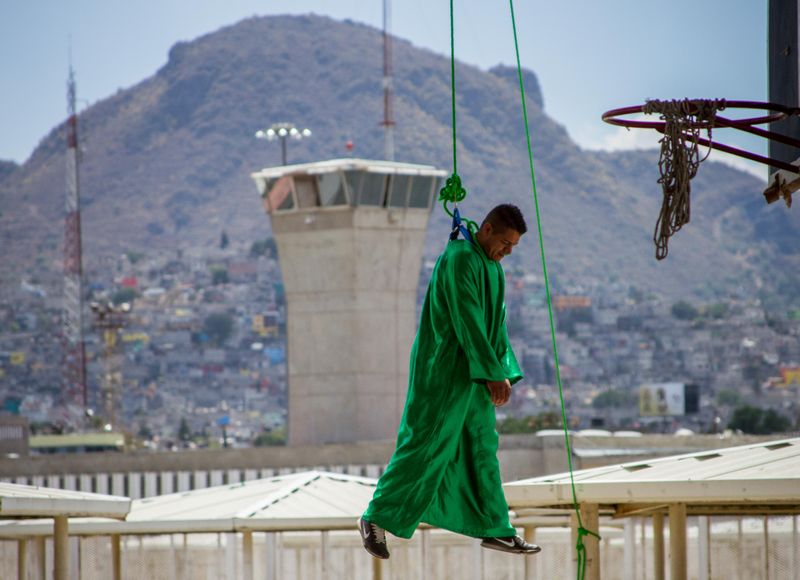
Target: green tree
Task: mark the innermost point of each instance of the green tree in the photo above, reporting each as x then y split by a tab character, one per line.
530	424
756	421
223	240
219	275
512	425
683	310
123	295
270	438
145	432
614	398
134	256
184	433
774	422
716	311
218	327
746	419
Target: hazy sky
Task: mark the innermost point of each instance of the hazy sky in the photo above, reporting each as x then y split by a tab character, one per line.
589	55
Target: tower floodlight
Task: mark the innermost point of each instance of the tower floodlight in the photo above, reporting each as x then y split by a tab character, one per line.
283	131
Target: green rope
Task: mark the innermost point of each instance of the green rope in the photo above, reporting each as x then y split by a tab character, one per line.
453	192
453	87
581	549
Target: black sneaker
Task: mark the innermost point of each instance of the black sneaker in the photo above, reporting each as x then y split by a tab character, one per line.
513	545
374	538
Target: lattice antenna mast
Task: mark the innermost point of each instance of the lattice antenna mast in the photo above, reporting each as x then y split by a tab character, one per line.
74	371
388	120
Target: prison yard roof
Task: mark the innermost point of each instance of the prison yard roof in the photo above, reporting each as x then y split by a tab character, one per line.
762	478
311	500
302	501
26	501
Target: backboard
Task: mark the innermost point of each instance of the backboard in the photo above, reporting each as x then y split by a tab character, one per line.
783	49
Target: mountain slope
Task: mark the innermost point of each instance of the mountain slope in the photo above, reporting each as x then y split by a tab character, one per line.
167	162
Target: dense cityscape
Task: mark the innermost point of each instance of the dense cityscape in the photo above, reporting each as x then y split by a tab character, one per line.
200	358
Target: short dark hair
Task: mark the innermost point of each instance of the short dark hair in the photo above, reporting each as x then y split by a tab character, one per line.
505	216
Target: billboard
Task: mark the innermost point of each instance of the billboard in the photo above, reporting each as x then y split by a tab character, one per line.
572	302
789	376
668	399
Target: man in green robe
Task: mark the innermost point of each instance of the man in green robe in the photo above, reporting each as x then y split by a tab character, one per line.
444	471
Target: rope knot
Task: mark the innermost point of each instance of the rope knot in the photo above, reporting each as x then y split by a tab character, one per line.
584	532
452	191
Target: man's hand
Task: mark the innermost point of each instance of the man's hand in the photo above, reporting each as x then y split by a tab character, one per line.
499	391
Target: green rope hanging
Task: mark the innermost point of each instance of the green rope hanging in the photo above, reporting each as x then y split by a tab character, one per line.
582	531
453	192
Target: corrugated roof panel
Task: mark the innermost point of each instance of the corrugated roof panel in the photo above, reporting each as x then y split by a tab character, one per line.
760	473
211	502
787	467
711	464
325	498
309	500
306	496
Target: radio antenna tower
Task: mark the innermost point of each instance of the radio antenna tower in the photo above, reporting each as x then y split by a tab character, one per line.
388	121
74	369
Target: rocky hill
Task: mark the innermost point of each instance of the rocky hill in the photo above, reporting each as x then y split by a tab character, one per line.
6	169
167	162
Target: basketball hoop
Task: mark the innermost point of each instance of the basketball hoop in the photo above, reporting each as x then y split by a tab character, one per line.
681	124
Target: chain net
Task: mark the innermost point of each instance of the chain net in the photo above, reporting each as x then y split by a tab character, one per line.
684	120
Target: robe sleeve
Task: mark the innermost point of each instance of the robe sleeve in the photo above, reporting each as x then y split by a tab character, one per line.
507	358
463	288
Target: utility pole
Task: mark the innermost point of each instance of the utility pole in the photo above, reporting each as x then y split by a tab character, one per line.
110	318
74	361
388	120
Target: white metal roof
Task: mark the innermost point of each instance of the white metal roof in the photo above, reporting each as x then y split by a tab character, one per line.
758	477
32	501
349	164
309	500
299	501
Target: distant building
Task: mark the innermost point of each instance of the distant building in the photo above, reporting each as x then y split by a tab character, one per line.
76	443
14	435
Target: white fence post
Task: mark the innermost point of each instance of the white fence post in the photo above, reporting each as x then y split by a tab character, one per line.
629	554
703	544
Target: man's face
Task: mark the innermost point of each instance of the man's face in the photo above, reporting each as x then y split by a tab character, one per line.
497	244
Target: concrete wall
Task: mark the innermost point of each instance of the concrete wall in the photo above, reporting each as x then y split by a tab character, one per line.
351	276
147	474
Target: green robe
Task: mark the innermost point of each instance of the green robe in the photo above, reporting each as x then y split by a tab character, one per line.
444	471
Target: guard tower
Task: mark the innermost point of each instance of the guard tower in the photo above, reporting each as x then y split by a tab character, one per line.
350	234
